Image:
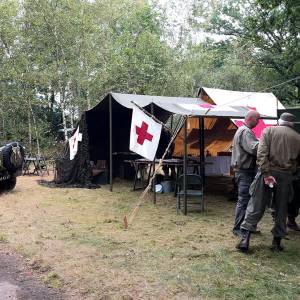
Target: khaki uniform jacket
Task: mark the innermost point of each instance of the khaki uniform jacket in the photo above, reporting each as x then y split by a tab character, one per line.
278	150
244	150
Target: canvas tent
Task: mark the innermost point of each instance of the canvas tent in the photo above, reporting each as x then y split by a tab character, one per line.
219	132
95	125
105	131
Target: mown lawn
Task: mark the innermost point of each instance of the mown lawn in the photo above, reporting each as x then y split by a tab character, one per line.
75	237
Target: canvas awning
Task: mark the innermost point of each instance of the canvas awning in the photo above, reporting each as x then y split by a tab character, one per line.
184	105
265	103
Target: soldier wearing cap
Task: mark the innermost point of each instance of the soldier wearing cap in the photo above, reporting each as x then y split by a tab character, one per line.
277	158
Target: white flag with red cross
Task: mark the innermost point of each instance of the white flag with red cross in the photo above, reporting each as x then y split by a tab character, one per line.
144	134
73	143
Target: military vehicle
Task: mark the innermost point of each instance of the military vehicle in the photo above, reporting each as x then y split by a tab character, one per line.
11	161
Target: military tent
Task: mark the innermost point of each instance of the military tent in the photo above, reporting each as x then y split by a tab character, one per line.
104	132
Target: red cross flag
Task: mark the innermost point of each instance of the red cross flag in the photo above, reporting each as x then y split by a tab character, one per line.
73	143
144	134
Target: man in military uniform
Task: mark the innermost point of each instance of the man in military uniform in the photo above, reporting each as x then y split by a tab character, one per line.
294	206
277	158
243	161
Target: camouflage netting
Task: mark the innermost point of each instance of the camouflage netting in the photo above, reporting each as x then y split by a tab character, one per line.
77	171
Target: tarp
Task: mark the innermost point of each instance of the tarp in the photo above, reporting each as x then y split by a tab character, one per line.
265	103
184	105
219	133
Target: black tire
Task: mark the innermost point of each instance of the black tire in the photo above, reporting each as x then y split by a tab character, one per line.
2	186
7	185
11	183
11	161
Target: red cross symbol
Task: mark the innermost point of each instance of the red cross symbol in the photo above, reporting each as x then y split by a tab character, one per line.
143	134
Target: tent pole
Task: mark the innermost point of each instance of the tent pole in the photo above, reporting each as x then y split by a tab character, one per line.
277	110
110	145
202	149
185	166
202	157
153	166
200	146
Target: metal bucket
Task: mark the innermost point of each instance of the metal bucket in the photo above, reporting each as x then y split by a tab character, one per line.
158	188
167	186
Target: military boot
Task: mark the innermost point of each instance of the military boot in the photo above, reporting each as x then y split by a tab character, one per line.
243	245
291	224
276	247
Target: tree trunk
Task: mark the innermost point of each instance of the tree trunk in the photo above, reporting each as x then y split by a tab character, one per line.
72	118
35	128
88	100
2	129
62	106
29	131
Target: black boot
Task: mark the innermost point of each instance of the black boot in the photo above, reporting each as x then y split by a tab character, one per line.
243	245
276	247
291	224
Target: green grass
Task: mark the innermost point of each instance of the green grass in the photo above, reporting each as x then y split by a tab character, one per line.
3	239
52	280
162	255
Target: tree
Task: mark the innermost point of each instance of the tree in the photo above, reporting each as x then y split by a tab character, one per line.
270	27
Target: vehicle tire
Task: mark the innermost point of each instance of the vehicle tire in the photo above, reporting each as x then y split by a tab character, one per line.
2	186
11	161
11	183
8	185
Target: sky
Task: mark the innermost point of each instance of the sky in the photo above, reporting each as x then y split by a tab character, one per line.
178	12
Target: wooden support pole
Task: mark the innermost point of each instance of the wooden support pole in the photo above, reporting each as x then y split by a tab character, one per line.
153	165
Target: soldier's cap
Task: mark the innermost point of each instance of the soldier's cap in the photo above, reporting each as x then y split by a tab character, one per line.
287	117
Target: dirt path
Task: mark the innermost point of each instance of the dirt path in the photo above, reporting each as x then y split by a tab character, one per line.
18	281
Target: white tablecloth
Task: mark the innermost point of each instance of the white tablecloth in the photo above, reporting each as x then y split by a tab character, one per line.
220	165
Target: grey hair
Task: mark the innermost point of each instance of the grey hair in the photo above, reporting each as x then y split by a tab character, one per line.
285	123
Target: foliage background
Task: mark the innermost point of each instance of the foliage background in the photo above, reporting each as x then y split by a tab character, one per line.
60	57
